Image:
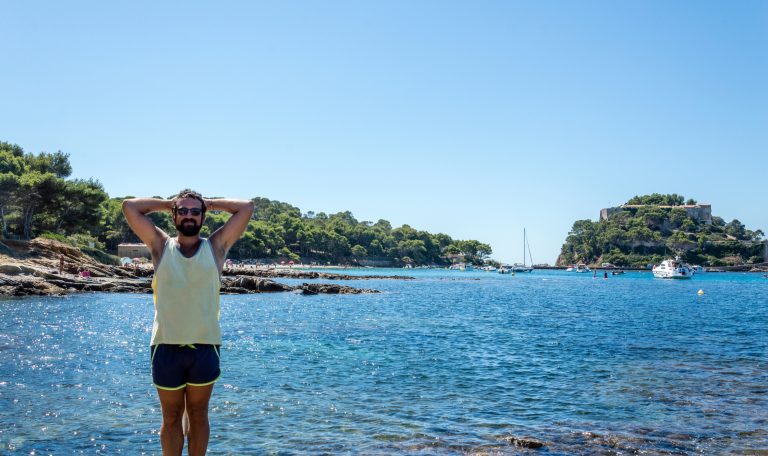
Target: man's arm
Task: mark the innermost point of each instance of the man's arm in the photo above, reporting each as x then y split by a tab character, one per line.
135	211
226	236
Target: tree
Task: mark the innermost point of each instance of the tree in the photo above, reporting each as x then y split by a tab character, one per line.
358	251
56	163
77	206
9	184
736	229
657	199
679	241
412	248
36	193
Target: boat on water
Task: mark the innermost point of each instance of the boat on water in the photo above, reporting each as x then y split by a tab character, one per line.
619	272
581	267
672	269
521	267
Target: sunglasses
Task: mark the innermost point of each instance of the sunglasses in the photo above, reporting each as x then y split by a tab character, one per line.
184	211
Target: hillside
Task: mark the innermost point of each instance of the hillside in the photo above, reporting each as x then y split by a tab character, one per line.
38	199
649	228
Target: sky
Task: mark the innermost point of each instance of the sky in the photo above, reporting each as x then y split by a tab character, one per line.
476	119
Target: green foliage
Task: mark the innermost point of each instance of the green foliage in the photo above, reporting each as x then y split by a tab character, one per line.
279	230
635	237
36	197
658	199
358	251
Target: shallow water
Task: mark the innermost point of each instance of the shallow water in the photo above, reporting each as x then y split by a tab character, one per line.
451	363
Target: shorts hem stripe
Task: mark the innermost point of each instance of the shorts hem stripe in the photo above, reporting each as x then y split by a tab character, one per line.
165	388
205	384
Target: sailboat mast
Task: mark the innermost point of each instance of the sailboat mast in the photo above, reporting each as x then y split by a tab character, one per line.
524	242
530	255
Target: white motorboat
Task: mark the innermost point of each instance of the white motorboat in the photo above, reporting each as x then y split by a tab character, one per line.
672	269
581	267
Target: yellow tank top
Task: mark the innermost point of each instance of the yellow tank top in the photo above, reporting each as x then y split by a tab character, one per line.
186	295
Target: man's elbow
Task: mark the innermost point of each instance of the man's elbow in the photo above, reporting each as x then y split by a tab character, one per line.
129	206
248	207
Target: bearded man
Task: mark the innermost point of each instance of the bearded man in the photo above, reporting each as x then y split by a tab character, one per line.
186	336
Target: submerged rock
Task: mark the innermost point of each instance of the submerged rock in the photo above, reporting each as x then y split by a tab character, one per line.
332	288
252	285
523	442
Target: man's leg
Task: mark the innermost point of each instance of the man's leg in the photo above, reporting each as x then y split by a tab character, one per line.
197	410
171	436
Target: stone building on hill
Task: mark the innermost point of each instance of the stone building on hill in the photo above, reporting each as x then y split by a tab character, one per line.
132	251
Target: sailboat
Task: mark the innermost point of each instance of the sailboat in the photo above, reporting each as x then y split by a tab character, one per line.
518	267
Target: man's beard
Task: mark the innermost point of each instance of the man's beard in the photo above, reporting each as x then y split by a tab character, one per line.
188	229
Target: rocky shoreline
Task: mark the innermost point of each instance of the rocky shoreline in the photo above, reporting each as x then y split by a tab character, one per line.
31	268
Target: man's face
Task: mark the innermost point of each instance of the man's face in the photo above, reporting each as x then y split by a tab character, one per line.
187	223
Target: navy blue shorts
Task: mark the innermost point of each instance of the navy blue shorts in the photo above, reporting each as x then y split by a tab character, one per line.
176	366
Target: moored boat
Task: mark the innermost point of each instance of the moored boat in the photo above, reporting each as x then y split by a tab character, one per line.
581	267
672	269
696	269
521	267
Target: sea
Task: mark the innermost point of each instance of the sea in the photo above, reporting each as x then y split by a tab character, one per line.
451	362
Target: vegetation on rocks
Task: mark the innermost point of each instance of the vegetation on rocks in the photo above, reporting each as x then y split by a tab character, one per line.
37	198
637	236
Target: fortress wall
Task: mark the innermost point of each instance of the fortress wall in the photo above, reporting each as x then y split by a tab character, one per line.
702	213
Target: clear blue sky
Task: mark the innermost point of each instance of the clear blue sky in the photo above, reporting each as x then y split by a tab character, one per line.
474	119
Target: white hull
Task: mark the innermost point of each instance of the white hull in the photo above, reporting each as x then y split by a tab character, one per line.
672	269
672	275
578	268
517	267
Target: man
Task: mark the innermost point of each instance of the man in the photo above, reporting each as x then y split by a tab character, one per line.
186	335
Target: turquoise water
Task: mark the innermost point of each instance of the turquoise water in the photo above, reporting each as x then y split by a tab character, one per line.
450	363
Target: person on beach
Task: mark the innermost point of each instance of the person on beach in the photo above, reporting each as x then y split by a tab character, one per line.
186	335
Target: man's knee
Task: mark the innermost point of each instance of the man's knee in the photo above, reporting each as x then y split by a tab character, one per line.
197	411
172	414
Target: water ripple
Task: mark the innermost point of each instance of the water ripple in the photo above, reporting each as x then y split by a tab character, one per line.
488	364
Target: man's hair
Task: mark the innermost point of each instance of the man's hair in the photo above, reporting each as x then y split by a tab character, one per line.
187	193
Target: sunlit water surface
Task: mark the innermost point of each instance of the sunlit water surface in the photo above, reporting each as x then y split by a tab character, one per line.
449	363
